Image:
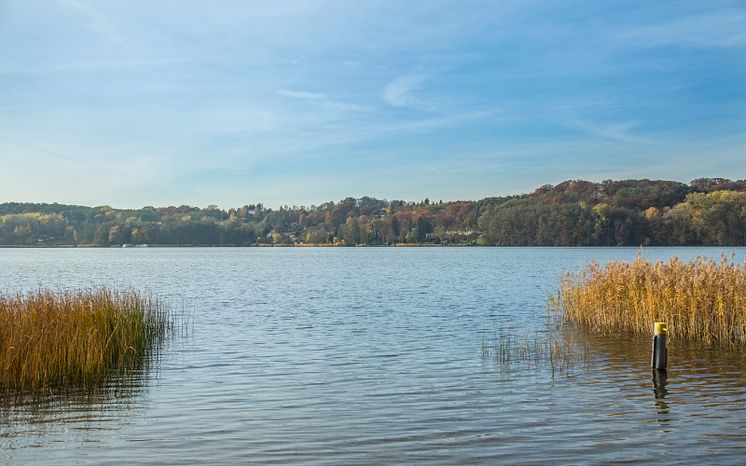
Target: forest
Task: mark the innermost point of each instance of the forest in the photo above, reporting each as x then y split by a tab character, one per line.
707	211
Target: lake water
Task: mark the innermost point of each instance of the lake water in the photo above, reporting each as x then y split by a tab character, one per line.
372	356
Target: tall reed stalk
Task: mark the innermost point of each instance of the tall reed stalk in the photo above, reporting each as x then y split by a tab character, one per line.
702	299
55	340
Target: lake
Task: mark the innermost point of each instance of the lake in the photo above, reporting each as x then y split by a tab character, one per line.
372	356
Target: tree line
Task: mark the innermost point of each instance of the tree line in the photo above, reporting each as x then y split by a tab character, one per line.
707	211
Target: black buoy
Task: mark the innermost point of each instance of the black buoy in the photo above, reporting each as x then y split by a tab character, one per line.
660	354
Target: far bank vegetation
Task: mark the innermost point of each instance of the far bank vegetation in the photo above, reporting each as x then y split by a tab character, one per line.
707	211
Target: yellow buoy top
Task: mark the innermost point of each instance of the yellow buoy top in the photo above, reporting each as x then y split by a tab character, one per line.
661	328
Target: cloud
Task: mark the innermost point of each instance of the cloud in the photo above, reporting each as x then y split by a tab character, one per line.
303	95
723	28
321	98
614	131
398	92
93	65
321	140
36	149
95	21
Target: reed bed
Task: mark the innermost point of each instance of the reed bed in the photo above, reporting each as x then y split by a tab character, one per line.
50	341
703	299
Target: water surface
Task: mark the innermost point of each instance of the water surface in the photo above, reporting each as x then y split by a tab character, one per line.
372	356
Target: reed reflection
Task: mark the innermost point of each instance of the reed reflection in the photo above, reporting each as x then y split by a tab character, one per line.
619	351
622	358
83	406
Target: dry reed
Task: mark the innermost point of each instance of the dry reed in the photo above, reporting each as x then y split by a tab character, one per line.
701	300
55	340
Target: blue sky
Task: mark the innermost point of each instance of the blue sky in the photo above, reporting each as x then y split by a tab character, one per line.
300	102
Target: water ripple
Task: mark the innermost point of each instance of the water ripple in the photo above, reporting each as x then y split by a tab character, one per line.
372	356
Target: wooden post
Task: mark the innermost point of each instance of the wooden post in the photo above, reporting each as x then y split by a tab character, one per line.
660	354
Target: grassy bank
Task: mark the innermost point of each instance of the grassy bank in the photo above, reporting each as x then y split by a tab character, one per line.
701	300
50	341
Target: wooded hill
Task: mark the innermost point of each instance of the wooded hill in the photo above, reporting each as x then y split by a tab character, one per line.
707	211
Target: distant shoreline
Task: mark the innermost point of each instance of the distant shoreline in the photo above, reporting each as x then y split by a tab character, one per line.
331	245
572	213
258	245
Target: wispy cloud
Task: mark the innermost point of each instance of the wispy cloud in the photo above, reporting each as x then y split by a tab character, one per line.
622	131
93	65
95	21
37	149
319	142
720	28
398	92
303	95
321	98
